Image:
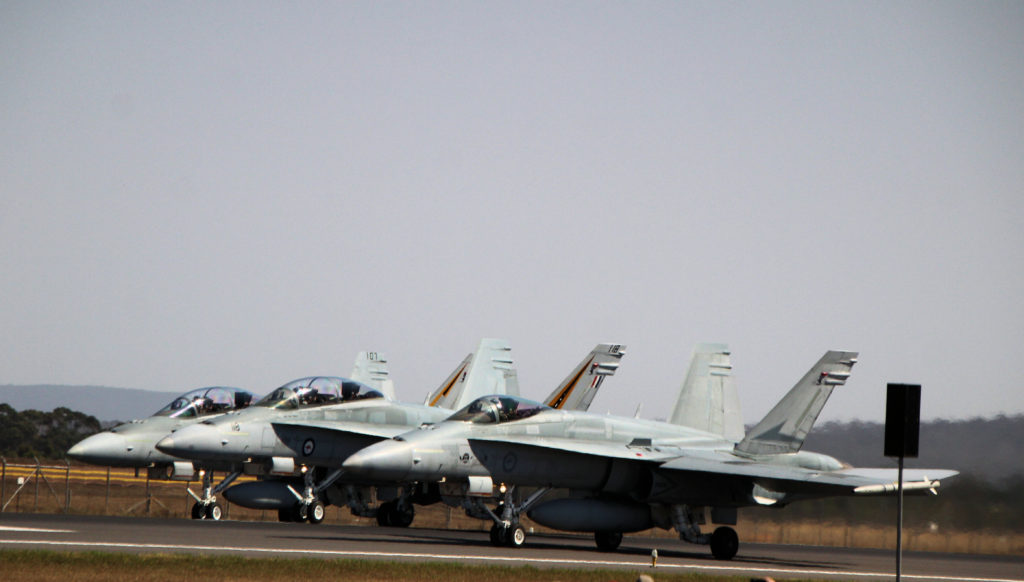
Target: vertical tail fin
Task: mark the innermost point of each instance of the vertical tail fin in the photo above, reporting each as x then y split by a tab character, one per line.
491	370
578	389
708	399
784	429
371	368
440	396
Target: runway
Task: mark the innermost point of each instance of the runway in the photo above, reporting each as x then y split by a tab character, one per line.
265	539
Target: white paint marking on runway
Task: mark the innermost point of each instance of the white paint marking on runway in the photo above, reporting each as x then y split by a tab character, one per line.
645	565
34	529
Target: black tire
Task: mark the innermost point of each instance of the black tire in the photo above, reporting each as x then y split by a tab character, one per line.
402	515
317	512
299	513
214	511
724	543
284	515
515	536
607	541
497	535
197	511
384	514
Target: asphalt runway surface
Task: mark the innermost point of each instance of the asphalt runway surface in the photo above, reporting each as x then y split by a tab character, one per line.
268	539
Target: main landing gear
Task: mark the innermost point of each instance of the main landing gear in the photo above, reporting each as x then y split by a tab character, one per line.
206	507
314	512
507	531
309	506
397	513
724	542
512	535
212	511
607	541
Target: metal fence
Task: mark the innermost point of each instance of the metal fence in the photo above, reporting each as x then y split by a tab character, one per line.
51	487
33	474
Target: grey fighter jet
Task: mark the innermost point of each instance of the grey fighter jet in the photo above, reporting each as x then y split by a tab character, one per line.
282	437
133	444
629	474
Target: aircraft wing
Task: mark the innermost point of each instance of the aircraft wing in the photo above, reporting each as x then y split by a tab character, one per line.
676	466
365	429
792	479
569	446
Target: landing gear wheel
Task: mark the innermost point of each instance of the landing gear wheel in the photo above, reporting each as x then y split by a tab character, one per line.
299	513
516	536
284	515
214	511
498	535
197	511
384	514
316	511
724	543
401	515
607	541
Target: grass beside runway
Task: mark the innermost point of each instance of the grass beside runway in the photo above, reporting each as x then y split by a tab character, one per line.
49	566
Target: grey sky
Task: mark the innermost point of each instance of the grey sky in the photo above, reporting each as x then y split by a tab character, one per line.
245	193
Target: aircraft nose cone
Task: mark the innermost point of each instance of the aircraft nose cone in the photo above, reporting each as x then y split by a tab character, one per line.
166	445
197	441
382	462
105	448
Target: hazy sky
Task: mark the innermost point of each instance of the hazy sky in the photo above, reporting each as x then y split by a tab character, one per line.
244	193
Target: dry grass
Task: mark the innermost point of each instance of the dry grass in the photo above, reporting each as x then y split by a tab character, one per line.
45	566
866	536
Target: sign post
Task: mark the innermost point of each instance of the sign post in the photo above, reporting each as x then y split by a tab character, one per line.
902	428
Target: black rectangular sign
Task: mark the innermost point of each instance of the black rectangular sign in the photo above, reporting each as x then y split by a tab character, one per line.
902	419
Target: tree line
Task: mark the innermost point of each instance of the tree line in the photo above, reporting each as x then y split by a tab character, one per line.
47	435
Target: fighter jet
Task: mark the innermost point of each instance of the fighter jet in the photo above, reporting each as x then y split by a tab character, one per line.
133	444
629	474
251	442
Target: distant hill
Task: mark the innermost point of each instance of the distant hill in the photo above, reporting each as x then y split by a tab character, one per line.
988	448
105	403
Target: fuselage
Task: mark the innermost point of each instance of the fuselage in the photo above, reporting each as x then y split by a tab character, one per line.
133	444
562	449
460	449
304	434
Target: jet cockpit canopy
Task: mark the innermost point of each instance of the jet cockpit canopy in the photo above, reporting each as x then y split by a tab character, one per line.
318	391
207	401
496	409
